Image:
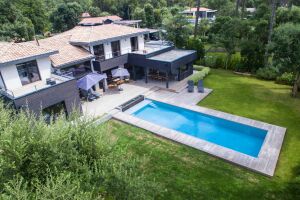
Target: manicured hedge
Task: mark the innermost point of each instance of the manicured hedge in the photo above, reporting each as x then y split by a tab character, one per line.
201	73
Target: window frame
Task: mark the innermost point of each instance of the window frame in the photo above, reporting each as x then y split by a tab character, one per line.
27	65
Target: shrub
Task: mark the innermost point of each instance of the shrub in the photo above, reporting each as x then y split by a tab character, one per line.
287	78
268	73
200	75
66	160
198	67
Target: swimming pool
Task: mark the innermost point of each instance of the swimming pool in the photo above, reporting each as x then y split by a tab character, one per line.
238	137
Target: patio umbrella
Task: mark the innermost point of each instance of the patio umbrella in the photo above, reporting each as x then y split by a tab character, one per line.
120	72
90	80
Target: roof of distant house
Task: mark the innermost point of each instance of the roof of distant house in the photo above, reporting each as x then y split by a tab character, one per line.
13	53
98	20
90	35
200	9
85	14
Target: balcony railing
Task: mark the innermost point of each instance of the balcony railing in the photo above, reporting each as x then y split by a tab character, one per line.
116	54
34	87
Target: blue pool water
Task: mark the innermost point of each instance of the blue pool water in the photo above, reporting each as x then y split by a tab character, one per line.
236	136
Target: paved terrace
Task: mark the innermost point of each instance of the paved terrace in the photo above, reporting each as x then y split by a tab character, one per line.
113	98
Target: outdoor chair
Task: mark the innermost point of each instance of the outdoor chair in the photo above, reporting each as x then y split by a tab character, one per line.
200	86
190	86
96	94
87	95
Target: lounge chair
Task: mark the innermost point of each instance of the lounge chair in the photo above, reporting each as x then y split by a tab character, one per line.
96	94
87	95
190	86
200	86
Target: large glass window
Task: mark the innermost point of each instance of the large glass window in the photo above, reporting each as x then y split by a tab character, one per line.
99	52
28	72
134	44
115	48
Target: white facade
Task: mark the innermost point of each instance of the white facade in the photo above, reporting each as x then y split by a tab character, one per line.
11	76
141	42
107	50
125	46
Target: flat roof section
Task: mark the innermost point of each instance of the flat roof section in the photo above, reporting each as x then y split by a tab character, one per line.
172	55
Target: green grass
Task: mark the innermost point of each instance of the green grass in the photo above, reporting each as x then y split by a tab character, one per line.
186	173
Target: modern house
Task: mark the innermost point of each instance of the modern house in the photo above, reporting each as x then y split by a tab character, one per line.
204	13
43	73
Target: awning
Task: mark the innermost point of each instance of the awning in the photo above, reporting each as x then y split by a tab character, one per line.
88	81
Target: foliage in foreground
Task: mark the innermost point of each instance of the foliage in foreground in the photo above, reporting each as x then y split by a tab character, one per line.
65	160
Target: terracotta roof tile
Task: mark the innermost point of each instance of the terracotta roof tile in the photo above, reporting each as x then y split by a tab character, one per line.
68	54
13	52
90	34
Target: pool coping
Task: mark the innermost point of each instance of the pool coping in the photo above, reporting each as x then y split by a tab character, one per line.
266	161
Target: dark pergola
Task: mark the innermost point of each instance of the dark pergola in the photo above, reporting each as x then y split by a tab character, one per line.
168	62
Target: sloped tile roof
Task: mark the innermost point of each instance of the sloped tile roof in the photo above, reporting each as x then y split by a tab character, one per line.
68	54
86	35
200	9
12	53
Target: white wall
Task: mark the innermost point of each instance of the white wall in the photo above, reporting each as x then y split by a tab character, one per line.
11	76
107	50
44	65
141	42
125	46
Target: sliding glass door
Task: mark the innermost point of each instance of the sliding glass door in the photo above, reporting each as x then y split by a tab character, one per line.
115	48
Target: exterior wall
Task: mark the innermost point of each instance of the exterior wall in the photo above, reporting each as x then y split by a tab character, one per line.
11	77
141	42
125	46
107	50
44	65
66	92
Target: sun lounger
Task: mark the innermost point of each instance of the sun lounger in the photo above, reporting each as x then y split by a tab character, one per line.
190	86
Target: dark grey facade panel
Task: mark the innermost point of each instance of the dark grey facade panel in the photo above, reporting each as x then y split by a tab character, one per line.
113	62
66	92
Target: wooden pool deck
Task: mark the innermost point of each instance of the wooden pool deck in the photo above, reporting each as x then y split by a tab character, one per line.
267	159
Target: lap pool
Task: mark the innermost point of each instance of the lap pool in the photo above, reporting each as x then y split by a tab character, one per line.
238	137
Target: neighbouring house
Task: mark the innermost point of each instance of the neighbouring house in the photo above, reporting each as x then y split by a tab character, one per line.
52	65
93	21
204	13
26	80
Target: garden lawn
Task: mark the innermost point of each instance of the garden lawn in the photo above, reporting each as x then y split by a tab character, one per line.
185	173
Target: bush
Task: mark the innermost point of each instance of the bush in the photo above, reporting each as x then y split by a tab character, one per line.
287	78
198	67
268	73
200	75
67	160
219	59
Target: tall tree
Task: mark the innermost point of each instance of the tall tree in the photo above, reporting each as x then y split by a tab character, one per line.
197	19
66	16
271	27
237	5
286	50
